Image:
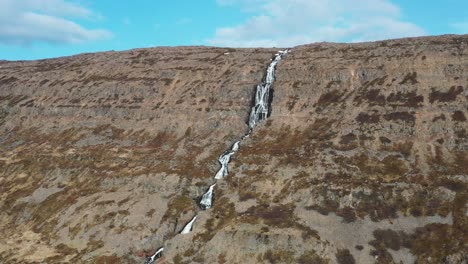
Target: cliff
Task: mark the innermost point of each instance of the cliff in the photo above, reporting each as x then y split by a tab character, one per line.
364	158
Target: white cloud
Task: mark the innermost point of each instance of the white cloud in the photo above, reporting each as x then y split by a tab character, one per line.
285	23
23	22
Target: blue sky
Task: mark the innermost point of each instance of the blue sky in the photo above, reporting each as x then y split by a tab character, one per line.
35	29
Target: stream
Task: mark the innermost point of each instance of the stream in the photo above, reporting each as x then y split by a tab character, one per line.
260	111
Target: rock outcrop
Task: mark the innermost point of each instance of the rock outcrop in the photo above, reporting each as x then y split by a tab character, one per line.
104	157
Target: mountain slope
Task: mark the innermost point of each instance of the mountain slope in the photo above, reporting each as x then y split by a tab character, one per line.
363	158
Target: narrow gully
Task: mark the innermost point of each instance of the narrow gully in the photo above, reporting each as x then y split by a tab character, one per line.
261	110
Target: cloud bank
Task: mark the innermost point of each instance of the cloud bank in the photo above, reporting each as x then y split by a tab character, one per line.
24	22
285	23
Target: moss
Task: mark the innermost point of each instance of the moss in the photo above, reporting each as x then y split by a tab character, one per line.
427	242
6	81
292	102
150	213
245	194
458	116
375	98
65	250
332	97
190	252
449	96
387	238
16	99
298	182
279	256
124	201
359	247
309	257
222	258
199	258
365	118
307	232
177	206
432	242
73	231
343	256
327	206
348	214
410	78
348	138
389	167
178	259
456	163
399	148
440	117
400	116
382	255
275	216
107	260
393	166
162	139
223	214
375	206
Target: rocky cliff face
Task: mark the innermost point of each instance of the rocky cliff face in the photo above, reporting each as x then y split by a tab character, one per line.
364	158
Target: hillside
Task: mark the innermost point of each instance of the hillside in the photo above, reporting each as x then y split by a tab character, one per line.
364	158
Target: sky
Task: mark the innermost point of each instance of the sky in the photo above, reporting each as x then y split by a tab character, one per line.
38	29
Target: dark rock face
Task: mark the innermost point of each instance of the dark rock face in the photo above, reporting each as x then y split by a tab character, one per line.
364	158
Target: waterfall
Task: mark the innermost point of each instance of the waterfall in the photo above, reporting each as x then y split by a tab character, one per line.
224	159
155	256
188	227
261	108
260	111
235	146
207	199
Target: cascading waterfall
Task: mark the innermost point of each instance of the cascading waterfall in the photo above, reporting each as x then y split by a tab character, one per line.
224	159
207	199
260	111
188	227
261	108
155	256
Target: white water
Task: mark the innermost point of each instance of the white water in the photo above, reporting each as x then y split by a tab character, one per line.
235	146
259	112
155	256
261	107
224	159
207	199
188	227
